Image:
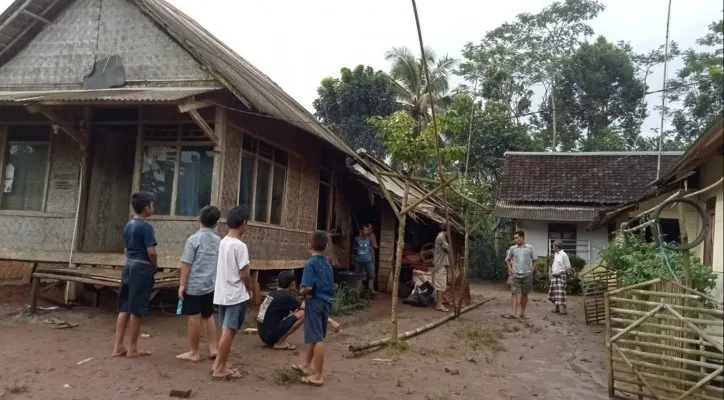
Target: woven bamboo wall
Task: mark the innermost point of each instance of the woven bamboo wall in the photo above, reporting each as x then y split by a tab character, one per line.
65	51
387	246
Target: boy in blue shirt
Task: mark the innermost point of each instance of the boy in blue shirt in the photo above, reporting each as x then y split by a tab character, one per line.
363	248
317	289
139	243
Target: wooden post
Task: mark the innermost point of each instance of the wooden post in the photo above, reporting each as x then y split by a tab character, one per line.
34	295
609	352
257	288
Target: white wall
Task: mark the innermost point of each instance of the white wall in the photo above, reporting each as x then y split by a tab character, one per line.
536	234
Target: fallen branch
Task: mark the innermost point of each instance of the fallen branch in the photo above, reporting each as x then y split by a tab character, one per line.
415	332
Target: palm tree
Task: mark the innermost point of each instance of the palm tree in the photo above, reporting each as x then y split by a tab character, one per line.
412	86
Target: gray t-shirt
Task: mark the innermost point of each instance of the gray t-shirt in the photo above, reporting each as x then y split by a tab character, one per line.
522	259
441	257
202	252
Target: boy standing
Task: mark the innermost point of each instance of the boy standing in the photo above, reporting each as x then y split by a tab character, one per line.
232	289
317	290
363	248
198	276
139	247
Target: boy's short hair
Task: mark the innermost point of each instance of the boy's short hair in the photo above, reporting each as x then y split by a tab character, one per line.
141	200
209	216
519	233
319	240
285	279
237	217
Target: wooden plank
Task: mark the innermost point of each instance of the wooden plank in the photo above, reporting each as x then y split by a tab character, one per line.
194	105
204	127
67	127
34	295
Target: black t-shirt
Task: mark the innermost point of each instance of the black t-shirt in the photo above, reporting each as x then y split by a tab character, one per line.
277	306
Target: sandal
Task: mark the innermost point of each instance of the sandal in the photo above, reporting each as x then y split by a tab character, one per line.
141	353
305	380
300	369
523	317
286	346
509	316
232	374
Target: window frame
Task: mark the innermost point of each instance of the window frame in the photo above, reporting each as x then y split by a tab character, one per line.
178	144
5	130
255	157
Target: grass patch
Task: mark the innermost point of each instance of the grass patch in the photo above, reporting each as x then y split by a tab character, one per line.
400	345
346	301
286	376
481	338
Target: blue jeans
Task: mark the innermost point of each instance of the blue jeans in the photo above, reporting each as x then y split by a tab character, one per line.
232	316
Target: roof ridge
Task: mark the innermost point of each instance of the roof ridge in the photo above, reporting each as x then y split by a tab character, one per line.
594	153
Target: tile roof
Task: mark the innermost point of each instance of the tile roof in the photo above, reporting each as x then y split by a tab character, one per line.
601	178
546	212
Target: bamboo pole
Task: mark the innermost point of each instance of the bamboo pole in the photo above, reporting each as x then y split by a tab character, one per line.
695	373
664	316
415	332
711	311
398	262
636	286
609	350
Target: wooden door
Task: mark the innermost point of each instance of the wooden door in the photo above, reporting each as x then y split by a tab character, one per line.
109	192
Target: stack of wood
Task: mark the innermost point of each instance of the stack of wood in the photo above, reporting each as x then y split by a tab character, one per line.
415	260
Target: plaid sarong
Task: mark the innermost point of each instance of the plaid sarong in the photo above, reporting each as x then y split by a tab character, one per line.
557	290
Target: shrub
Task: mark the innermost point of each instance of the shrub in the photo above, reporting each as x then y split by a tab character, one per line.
637	261
541	283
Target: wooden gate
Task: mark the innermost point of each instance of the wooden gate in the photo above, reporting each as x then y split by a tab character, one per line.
664	341
594	283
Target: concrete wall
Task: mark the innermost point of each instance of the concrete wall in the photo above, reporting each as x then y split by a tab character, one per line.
536	234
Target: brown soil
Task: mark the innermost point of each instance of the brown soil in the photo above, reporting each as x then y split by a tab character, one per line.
480	356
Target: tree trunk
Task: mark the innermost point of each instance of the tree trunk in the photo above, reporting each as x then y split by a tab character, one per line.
402	218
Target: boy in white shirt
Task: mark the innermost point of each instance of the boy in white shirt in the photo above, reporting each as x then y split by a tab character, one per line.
233	288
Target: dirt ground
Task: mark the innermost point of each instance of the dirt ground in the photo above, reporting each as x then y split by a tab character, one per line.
488	357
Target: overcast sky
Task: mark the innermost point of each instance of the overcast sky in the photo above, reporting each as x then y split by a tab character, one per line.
297	43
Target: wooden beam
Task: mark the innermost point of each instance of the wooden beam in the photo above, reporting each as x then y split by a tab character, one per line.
204	127
194	105
38	17
80	137
17	12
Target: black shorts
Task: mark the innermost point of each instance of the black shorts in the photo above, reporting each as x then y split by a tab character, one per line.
136	285
271	338
201	304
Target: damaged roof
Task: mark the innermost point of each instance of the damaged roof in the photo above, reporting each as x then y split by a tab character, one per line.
597	178
24	19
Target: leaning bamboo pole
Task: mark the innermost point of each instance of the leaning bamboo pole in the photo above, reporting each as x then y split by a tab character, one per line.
415	332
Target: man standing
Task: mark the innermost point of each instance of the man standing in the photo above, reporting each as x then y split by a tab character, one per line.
441	260
521	264
557	291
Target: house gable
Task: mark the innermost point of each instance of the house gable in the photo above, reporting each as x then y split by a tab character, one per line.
64	52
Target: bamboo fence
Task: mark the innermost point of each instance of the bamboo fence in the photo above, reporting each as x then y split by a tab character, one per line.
664	341
594	283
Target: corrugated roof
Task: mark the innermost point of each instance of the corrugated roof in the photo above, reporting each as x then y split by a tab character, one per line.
130	95
584	178
546	212
708	144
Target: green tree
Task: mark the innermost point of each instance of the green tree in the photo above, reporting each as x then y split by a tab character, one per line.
699	86
414	92
347	102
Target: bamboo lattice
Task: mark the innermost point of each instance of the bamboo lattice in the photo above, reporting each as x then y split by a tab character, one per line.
664	341
594	283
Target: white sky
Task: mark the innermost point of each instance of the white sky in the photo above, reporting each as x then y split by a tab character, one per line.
297	43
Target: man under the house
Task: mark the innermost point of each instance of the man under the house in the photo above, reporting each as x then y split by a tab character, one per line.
441	260
521	263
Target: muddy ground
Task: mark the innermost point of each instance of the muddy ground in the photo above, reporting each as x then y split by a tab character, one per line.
488	357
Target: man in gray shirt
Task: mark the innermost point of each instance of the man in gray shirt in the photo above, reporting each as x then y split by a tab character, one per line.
521	264
441	260
198	277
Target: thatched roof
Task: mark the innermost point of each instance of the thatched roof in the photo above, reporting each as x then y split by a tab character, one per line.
24	19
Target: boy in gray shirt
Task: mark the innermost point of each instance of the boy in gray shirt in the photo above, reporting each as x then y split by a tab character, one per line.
198	277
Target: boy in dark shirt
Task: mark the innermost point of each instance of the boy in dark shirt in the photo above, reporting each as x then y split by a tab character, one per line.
317	290
363	260
139	243
281	314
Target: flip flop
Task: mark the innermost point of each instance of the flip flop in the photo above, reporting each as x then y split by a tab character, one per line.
287	347
305	380
300	369
121	354
186	357
142	353
509	316
233	374
443	309
523	316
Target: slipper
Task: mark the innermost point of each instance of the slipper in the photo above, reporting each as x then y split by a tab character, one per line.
187	357
509	316
141	353
300	369
305	380
287	346
121	354
233	374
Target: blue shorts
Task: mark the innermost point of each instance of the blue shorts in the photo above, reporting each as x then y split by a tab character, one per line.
232	316
136	285
316	314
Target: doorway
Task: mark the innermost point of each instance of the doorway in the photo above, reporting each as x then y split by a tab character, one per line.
112	154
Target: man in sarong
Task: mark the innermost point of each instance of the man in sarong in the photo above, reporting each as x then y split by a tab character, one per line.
557	291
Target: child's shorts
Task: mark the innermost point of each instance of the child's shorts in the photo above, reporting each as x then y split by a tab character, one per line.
198	304
316	314
136	285
232	316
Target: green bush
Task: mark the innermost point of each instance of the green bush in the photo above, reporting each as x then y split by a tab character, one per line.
637	261
541	283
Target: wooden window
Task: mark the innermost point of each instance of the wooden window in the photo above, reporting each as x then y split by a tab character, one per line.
709	238
27	157
325	204
263	180
177	166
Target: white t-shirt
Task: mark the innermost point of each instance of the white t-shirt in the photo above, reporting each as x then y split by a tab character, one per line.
233	257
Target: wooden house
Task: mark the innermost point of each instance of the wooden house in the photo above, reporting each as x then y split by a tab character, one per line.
102	98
